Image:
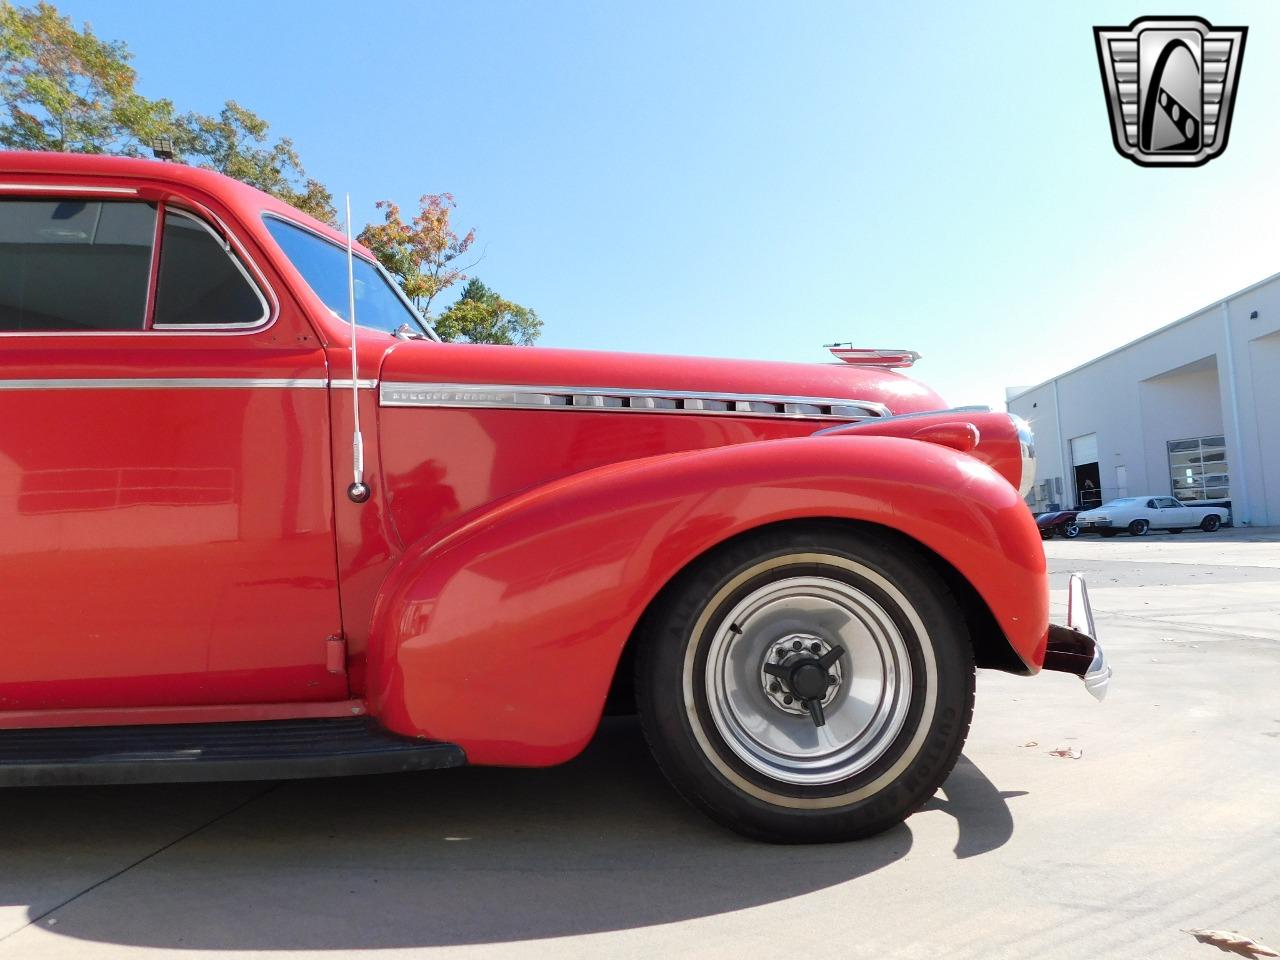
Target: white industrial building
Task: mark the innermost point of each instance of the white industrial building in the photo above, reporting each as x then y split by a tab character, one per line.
1192	410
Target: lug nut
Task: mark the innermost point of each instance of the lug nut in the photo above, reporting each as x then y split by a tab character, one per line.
774	688
815	647
796	645
787	700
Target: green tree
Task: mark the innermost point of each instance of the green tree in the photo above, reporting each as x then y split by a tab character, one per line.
235	143
481	315
69	90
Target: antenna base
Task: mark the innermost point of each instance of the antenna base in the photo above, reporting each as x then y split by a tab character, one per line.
358	492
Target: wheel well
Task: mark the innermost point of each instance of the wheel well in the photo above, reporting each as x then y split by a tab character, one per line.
991	649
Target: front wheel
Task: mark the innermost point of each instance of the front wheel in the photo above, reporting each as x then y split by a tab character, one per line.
1139	528
1210	523
807	683
1071	531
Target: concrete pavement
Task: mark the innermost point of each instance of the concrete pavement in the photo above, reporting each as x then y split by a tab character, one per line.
1169	820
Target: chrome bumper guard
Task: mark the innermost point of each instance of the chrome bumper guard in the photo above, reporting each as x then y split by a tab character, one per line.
1074	648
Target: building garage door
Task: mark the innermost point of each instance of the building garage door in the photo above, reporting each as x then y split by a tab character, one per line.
1084	465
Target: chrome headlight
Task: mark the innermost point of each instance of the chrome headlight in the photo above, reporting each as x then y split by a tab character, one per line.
1027	444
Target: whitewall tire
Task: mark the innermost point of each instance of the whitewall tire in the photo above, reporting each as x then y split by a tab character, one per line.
807	683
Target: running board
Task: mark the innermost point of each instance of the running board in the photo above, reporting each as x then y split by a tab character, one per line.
184	753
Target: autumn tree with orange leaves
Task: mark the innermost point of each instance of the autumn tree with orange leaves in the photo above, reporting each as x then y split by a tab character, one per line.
423	253
426	256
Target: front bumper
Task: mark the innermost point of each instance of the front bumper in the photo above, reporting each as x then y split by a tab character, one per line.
1090	524
1074	648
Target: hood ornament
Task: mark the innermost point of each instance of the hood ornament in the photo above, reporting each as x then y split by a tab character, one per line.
871	356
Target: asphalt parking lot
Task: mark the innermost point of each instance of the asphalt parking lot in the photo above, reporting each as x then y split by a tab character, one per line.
1169	819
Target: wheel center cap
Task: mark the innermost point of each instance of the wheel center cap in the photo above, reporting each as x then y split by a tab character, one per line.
801	674
808	680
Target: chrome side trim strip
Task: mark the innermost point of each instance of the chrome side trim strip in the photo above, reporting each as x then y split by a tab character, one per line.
960	411
68	188
167	383
625	400
362	383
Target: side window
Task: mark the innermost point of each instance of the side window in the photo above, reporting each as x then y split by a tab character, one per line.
200	283
1151	505
74	265
1167	503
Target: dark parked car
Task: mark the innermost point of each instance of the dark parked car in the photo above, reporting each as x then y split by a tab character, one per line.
1059	522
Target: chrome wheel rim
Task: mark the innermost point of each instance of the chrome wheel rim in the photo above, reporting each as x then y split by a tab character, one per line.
869	699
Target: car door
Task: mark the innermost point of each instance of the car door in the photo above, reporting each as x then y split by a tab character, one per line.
1151	512
1175	515
166	532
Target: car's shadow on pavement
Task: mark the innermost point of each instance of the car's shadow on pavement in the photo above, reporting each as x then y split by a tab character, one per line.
459	857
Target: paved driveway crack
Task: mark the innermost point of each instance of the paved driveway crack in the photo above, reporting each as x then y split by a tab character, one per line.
143	859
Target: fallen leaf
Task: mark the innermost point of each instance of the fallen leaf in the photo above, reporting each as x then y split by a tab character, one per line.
1032	743
1071	753
1232	941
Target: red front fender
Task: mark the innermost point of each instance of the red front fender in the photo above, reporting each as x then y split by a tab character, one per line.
503	636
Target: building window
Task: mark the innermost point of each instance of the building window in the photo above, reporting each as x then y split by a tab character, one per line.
1198	469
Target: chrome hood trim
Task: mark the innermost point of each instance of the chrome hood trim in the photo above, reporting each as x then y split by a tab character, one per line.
625	400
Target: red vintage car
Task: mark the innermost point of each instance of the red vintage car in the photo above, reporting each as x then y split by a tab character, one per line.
789	570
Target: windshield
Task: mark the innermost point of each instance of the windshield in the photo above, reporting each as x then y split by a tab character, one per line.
1119	503
323	264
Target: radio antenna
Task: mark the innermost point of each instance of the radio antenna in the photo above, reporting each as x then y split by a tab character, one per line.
358	491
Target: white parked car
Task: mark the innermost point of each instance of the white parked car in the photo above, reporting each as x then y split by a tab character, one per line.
1137	515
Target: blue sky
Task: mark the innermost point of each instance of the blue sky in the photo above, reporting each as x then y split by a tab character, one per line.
759	179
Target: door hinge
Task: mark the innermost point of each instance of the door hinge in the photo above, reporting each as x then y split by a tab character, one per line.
336	654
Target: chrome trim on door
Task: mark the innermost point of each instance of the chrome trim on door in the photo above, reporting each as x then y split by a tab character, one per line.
167	383
625	400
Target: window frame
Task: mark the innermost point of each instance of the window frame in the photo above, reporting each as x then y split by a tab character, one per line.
423	323
162	216
209	220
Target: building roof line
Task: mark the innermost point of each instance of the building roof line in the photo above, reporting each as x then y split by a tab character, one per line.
1146	336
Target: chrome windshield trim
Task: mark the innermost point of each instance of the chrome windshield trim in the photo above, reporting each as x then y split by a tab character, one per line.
626	400
167	383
